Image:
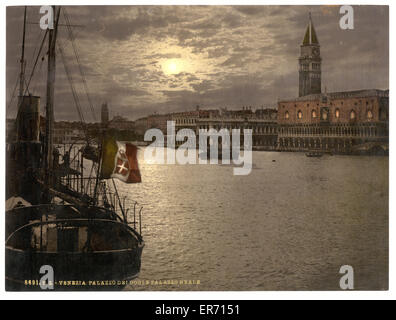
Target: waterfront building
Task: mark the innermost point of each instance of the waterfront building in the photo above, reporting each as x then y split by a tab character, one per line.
121	123
141	126
244	113
338	122
263	124
158	121
154	121
65	132
190	120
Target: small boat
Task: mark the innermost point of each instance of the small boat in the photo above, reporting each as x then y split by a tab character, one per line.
314	154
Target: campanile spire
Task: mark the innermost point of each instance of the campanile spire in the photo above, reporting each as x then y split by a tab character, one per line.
310	61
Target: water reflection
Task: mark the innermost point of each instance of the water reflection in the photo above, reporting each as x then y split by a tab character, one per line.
288	225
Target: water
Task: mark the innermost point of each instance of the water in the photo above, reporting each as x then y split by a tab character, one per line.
289	225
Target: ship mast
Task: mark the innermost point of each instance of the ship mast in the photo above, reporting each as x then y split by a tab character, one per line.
19	127
22	74
49	108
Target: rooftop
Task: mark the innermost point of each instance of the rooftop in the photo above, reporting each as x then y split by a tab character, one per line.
341	95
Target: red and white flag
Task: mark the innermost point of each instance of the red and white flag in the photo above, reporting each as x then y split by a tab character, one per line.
120	161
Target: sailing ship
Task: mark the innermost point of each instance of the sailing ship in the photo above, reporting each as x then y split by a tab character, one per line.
58	215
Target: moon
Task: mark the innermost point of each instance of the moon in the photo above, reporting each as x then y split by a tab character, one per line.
172	66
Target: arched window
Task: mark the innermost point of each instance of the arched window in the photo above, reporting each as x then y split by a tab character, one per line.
324	114
299	114
369	114
287	115
352	115
313	114
337	113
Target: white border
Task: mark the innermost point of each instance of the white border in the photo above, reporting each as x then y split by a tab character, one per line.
199	295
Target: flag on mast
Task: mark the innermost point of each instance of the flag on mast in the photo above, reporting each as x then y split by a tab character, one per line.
119	160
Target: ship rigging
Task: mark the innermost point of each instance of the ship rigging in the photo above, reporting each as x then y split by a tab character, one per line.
74	221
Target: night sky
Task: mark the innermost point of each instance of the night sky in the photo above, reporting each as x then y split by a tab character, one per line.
164	59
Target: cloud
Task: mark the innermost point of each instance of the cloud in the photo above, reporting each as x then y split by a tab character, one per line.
164	56
250	10
232	56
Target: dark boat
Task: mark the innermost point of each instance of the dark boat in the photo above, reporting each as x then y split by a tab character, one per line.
80	249
68	221
314	154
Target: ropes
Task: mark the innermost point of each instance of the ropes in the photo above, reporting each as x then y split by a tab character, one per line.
74	93
68	74
13	94
31	73
72	38
39	71
35	62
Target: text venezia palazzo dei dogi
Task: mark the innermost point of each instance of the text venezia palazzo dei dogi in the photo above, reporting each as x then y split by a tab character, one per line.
341	122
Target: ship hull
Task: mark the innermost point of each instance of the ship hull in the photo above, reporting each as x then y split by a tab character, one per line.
94	253
104	271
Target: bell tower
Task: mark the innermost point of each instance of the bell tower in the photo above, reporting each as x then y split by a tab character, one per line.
310	63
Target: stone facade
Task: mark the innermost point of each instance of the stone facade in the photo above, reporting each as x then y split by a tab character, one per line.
335	122
262	122
191	119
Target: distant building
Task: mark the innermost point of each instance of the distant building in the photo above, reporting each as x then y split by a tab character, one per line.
191	119
188	118
340	122
244	113
155	121
158	121
121	123
64	132
262	122
141	126
68	132
266	114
